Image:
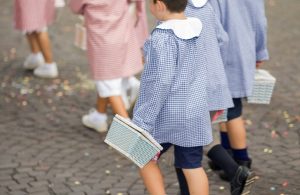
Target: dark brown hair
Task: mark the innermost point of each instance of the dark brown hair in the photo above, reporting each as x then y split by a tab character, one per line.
176	6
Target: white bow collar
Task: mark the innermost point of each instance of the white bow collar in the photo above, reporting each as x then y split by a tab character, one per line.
184	29
199	3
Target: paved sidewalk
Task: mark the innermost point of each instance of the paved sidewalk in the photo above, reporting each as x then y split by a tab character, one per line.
45	150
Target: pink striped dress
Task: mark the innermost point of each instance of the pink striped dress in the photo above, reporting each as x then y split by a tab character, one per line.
142	25
33	15
112	44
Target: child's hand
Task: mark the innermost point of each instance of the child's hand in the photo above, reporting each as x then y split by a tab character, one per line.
258	64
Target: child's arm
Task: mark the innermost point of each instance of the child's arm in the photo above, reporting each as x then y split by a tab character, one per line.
161	61
261	32
139	8
259	63
139	5
222	35
217	9
77	6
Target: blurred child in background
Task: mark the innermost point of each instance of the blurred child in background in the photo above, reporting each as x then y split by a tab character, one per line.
32	17
113	53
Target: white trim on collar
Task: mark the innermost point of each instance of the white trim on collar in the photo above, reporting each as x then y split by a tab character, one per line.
199	3
184	29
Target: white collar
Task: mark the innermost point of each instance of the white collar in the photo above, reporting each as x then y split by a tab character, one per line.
199	3
184	29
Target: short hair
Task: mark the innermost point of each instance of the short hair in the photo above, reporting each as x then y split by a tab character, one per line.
175	6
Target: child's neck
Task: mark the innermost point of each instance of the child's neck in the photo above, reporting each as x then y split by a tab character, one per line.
174	16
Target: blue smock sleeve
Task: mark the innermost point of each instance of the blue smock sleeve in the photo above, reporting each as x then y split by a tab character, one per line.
261	33
156	80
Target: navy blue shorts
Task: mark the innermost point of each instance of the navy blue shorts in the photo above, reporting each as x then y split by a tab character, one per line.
185	157
235	111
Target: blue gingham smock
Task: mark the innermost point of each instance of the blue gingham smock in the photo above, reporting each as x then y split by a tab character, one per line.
172	104
245	22
212	36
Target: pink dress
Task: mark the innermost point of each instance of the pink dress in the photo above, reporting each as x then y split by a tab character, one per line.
142	25
112	44
33	15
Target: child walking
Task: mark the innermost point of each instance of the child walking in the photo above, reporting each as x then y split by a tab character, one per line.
32	18
113	53
213	36
172	104
245	23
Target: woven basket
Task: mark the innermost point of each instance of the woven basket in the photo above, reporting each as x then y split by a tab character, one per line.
132	141
263	87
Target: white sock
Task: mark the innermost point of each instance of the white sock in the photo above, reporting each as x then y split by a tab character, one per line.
36	55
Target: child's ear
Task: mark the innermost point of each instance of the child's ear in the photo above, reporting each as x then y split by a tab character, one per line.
161	6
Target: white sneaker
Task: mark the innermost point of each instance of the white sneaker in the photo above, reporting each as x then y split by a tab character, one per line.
46	71
33	61
96	121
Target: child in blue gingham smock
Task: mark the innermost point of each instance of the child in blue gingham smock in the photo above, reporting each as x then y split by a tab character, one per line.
213	36
172	104
245	23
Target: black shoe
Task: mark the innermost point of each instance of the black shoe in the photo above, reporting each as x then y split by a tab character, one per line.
242	181
245	163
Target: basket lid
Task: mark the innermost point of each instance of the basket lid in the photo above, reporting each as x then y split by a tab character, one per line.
261	74
142	131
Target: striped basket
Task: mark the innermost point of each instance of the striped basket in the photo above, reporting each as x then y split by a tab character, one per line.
132	141
263	87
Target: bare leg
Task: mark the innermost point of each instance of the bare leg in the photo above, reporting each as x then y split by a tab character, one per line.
118	106
237	133
102	104
44	42
153	179
33	43
197	181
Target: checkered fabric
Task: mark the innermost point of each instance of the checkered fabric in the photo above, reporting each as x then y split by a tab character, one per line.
245	23
212	36
33	15
112	45
172	104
